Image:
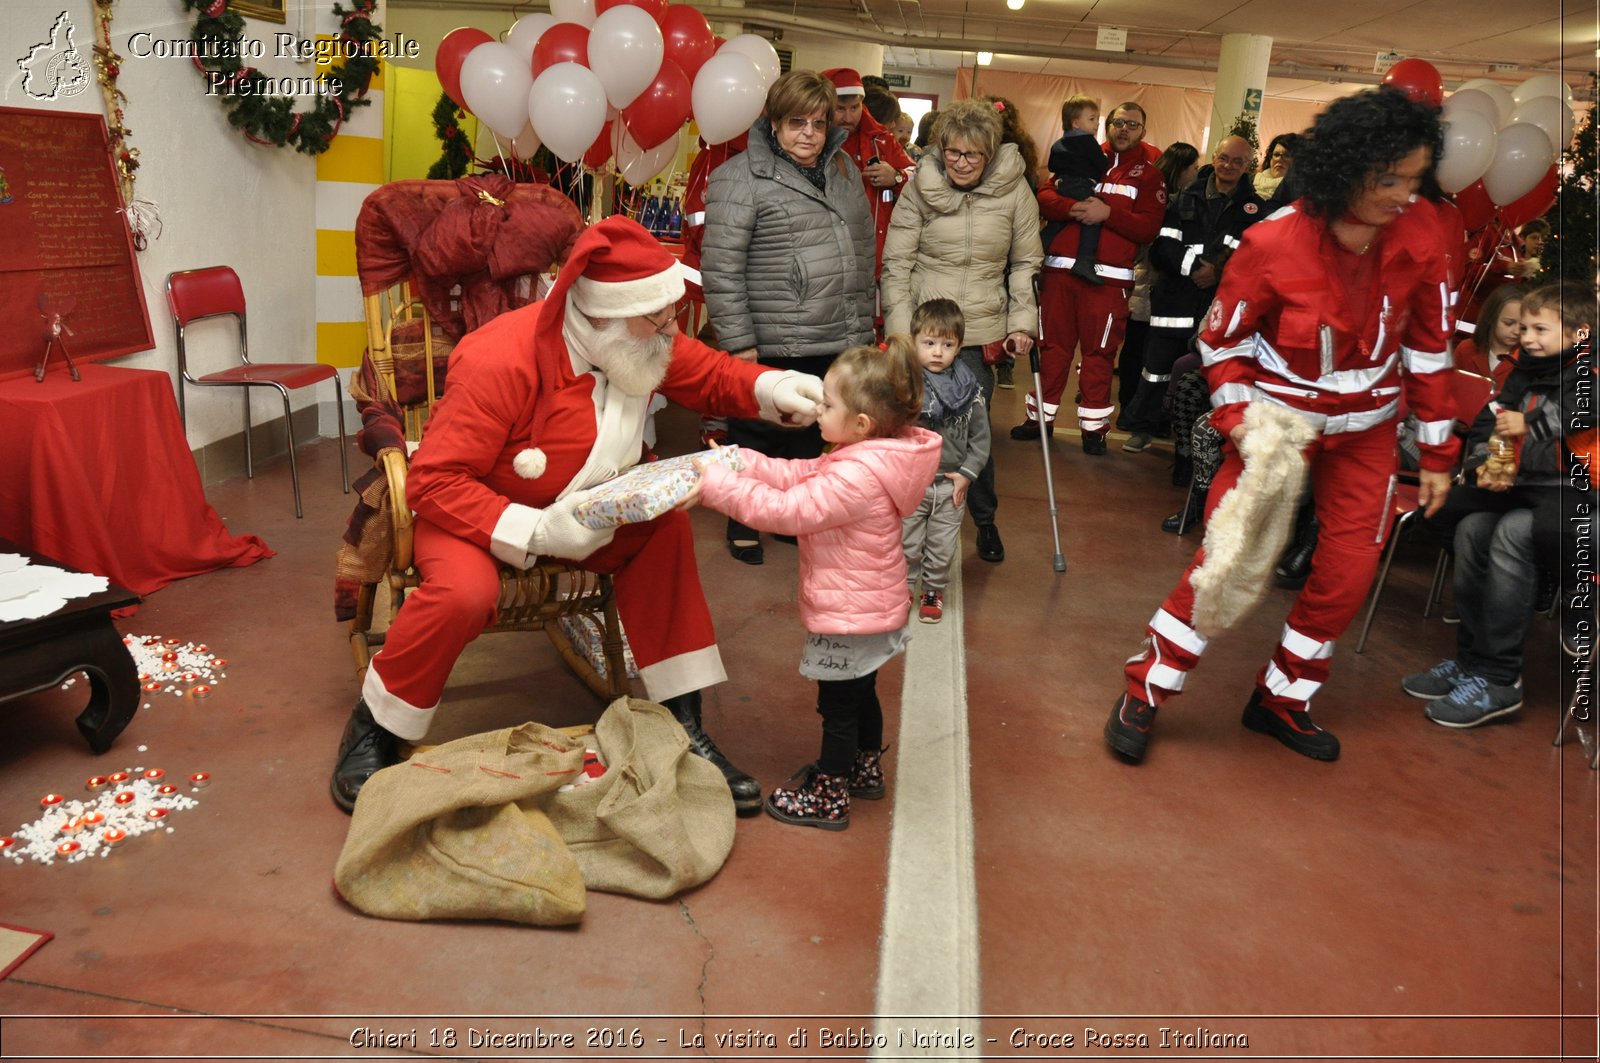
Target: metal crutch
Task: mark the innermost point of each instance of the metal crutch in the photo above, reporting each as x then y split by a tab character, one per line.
1059	562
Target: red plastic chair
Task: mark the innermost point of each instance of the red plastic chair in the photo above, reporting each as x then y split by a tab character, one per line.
215	291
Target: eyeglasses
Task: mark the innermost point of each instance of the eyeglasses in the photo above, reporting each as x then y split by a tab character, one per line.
969	158
668	316
1124	123
1232	160
801	125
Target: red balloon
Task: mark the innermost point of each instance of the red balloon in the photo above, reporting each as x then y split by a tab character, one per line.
653	8
600	150
688	38
1534	204
565	42
451	54
661	109
1477	209
717	43
1418	79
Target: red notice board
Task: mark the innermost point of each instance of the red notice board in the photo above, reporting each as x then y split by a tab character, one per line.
63	235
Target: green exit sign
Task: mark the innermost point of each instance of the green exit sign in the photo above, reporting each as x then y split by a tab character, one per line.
898	81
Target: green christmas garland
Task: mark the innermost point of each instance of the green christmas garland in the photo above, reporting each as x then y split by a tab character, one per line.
447	127
270	119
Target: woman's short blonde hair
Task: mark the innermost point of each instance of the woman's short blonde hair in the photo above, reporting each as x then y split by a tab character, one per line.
799	93
975	121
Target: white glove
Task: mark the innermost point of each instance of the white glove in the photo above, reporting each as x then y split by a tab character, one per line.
558	533
789	398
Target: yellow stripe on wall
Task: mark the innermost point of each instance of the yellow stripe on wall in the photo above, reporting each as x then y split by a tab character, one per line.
352	158
357	161
341	343
336	253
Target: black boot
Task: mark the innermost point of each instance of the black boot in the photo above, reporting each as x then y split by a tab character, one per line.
1295	565
365	749
685	708
1190	516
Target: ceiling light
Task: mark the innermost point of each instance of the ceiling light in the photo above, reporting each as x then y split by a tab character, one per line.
985	58
1015	5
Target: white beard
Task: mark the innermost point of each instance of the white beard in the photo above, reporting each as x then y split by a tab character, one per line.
633	366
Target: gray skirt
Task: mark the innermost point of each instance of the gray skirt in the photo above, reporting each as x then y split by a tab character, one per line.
851	656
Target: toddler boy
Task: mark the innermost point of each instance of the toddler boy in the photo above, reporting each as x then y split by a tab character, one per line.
1077	163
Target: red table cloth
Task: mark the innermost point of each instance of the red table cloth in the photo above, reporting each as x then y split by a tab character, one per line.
98	473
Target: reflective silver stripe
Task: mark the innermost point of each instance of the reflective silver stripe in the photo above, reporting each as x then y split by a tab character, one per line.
696	217
1383	326
1341	381
1166	677
1468	327
1172	322
1154	378
1447	300
1335	424
1131	191
1105	337
1210	355
1383	514
1065	262
1188	259
1434	433
1172	234
1238	314
690	274
1178	633
1231	241
1050	409
1096	411
1304	646
1281	685
1425	361
1229	393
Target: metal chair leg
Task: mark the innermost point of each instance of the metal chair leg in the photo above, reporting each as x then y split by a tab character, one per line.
1383	578
1441	568
344	456
249	451
1188	501
294	466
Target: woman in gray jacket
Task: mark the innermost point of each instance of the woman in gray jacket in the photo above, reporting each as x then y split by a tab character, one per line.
787	257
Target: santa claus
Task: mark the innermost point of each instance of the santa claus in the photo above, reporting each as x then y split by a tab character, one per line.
544	403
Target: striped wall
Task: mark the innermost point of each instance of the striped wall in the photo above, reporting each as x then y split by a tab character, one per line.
352	167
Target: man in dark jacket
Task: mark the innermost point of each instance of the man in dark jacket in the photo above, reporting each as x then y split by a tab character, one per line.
1202	228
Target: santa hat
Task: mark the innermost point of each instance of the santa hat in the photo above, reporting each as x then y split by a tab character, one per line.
846	82
616	269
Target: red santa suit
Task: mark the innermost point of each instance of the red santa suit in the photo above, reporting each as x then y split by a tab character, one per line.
1341	338
1079	315
528	419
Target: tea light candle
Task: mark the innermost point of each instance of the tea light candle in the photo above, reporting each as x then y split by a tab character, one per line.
157	813
92	819
68	848
201	691
200	779
50	800
114	836
117	776
166	790
96	782
155	774
124	797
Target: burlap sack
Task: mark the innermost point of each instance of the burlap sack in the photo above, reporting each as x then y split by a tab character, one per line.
660	819
456	833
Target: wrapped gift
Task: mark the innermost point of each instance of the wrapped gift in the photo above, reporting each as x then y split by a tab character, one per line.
645	492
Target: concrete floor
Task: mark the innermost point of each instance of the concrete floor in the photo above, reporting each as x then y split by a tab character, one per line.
1432	894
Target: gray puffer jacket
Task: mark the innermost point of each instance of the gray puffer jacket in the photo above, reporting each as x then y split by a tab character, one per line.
787	269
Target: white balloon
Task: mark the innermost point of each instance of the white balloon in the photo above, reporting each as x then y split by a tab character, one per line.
526	144
494	86
579	11
1469	139
760	51
1474	101
727	96
638	165
1522	156
1495	91
526	33
625	49
1550	114
568	106
1542	85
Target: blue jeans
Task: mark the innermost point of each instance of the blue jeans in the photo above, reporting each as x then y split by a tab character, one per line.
1497	576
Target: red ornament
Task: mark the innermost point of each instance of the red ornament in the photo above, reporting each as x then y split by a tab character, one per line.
216	8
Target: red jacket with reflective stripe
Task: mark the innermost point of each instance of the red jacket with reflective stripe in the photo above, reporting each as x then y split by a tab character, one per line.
874	138
1137	195
1279	329
694	207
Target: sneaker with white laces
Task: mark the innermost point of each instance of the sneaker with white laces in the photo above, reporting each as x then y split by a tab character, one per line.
1436	682
932	610
1475	700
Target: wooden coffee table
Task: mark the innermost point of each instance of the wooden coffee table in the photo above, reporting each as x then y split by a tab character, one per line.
79	637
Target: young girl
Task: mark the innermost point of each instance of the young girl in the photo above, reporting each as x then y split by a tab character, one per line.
846	508
1486	352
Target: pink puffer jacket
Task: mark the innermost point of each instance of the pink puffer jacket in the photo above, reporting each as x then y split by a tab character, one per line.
846	507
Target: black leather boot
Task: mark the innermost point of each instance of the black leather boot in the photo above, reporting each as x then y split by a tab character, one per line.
685	708
1295	565
366	748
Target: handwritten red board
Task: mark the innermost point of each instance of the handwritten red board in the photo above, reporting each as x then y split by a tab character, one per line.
63	236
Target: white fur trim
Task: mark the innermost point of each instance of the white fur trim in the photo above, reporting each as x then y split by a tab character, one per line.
530	464
1249	527
646	295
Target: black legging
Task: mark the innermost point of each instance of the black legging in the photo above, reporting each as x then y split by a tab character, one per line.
852	720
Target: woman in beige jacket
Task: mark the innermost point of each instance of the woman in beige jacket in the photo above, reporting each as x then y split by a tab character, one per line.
967	228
